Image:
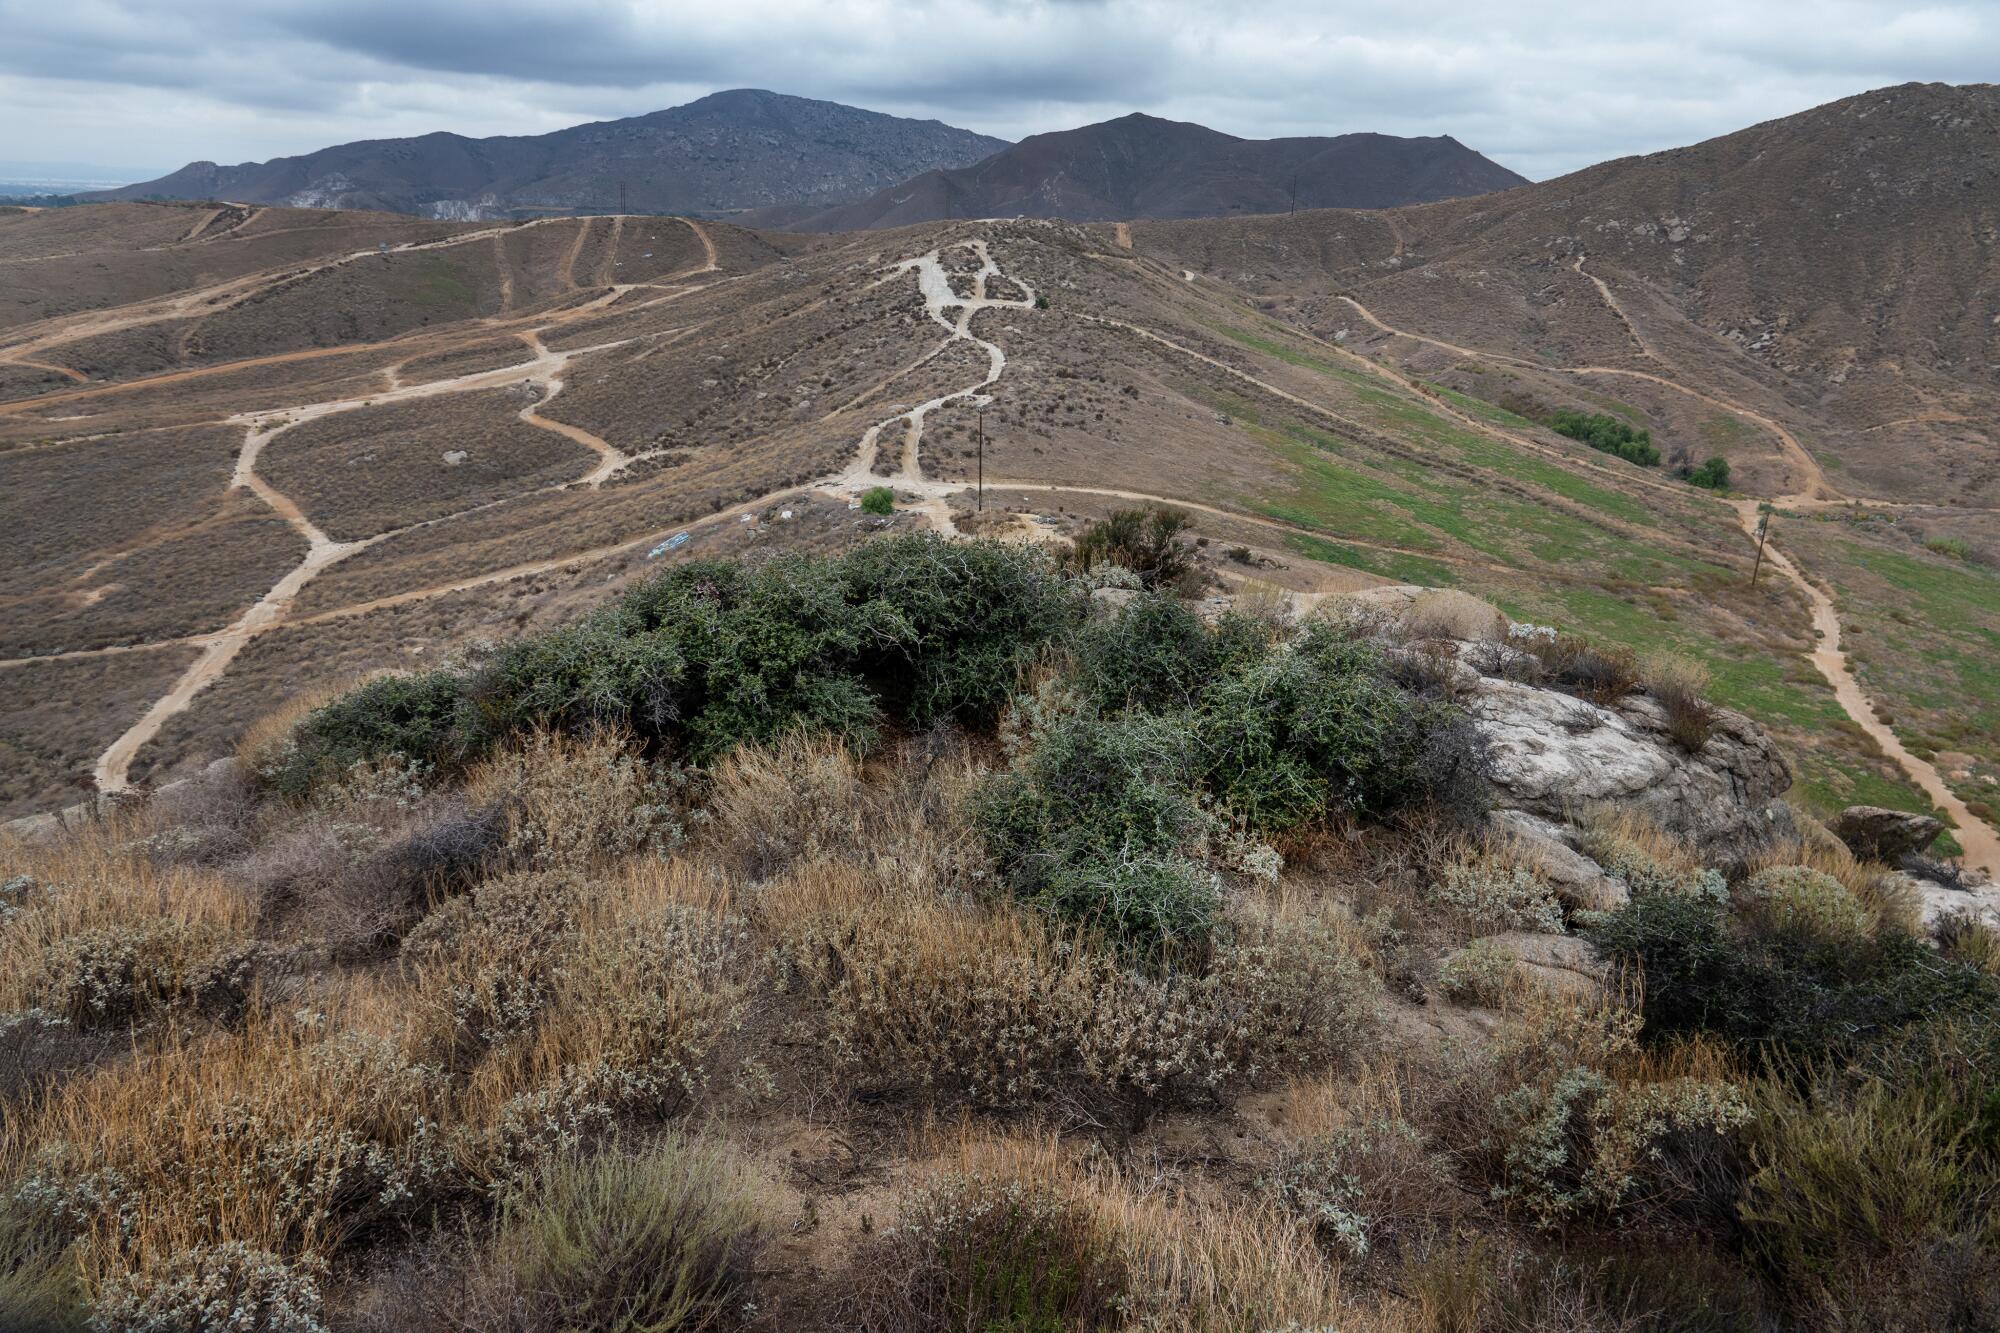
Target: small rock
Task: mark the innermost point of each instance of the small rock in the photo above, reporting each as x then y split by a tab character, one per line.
1562	964
1875	834
1579	881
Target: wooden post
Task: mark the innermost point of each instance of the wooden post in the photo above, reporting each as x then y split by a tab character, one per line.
1763	531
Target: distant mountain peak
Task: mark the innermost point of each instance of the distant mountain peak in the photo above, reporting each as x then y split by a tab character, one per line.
733	150
1144	166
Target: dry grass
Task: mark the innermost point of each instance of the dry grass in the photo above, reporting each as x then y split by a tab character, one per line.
1680	685
579	802
1188	1262
279	1135
100	935
808	798
989	1003
1446	613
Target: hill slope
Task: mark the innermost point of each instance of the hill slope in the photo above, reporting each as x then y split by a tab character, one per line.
1839	269
1140	166
733	150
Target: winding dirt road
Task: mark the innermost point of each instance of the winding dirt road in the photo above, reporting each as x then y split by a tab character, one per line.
1981	843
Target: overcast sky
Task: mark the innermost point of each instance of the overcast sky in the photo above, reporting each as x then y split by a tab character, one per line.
156	83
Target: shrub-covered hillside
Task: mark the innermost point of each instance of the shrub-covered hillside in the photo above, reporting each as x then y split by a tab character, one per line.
943	937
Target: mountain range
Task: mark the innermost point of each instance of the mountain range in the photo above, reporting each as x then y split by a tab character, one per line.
1141	166
724	153
779	161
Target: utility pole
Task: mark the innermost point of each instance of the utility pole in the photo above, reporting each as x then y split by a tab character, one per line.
1295	192
1763	531
981	508
621	198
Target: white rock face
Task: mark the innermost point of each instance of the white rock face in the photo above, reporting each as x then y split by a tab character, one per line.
1554	756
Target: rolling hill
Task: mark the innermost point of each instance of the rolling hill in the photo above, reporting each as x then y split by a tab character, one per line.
729	151
267	448
1141	166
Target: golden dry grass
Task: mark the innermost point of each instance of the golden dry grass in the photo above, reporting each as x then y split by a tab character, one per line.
104	933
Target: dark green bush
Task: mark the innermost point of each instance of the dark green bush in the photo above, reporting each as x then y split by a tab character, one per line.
1607	434
959	622
1320	727
1781	987
424	717
878	500
1098	823
1713	474
1157	654
713	653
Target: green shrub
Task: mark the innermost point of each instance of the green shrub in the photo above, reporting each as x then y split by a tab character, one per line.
1954	548
1157	654
713	653
1145	541
1319	727
1779	985
1607	434
423	717
1712	475
655	1242
878	500
963	619
1099	825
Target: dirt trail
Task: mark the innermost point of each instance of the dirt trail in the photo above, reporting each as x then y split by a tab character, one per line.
575	250
611	460
49	366
541	319
1121	232
113	771
60	329
607	267
1611	301
114	766
935	285
1981	843
711	264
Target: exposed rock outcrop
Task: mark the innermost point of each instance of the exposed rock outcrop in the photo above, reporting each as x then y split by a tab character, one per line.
1552	756
1875	834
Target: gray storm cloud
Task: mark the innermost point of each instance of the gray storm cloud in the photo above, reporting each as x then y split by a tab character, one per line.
231	80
